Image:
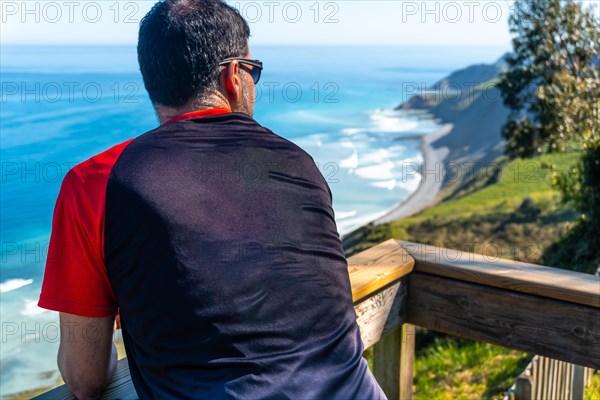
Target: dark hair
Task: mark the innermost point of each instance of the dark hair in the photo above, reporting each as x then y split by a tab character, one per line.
181	43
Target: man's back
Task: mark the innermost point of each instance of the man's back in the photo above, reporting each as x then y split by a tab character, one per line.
214	237
222	249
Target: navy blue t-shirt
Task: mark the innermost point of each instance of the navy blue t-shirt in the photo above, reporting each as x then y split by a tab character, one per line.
222	250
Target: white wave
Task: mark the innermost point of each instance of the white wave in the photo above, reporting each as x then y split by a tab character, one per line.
375	156
352	131
350	162
339	215
396	149
13	284
416	158
389	185
347	145
385	121
382	171
307	117
388	121
410	182
350	224
31	309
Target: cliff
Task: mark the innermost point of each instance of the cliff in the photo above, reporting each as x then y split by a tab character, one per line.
471	102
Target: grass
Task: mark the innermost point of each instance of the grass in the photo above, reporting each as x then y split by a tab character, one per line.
478	370
592	392
503	191
510	209
502	207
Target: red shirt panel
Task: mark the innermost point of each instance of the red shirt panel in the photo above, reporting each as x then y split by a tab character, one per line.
75	279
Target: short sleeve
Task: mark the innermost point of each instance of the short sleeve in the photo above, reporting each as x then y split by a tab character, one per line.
75	278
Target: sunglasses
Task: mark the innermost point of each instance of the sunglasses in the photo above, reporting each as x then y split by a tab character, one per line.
255	71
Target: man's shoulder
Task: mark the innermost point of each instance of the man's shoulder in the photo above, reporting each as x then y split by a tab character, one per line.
290	144
308	166
97	166
88	179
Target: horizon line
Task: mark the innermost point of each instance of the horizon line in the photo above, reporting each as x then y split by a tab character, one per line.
276	45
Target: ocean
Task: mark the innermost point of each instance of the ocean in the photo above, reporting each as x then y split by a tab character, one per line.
62	104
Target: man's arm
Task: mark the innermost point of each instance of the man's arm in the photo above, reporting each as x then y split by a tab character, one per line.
87	356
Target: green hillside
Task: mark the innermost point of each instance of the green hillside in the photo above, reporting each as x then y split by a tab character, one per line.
509	210
503	205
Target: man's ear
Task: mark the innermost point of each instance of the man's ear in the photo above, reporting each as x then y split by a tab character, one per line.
231	82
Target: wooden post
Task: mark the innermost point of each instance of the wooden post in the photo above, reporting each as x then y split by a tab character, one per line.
386	363
393	358
535	377
523	386
577	384
545	381
552	386
407	361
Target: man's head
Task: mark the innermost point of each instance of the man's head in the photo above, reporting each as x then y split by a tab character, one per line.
181	43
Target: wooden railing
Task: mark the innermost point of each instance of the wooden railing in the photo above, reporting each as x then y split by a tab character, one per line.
545	378
398	285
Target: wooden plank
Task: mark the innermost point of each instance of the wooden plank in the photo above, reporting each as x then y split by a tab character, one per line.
565	379
569	380
120	387
382	313
577	383
377	267
557	329
534	376
540	392
559	382
523	386
553	369
393	359
588	372
407	361
386	363
544	377
490	270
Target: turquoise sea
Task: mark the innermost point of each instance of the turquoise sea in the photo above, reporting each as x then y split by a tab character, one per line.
60	105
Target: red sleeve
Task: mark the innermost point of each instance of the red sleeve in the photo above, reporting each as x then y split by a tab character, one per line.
76	279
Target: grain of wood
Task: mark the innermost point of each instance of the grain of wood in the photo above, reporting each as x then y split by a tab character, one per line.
535	376
407	361
543	281
381	313
377	267
386	363
577	382
558	329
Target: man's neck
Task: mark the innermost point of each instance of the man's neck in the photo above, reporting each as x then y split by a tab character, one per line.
165	113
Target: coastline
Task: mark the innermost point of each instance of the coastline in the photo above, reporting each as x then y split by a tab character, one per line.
427	192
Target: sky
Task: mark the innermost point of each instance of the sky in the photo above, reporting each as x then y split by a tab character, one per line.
304	22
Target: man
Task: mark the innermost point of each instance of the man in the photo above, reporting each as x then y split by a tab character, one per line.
213	236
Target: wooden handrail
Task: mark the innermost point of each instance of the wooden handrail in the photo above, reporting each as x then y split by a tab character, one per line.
398	284
377	267
545	378
501	302
553	283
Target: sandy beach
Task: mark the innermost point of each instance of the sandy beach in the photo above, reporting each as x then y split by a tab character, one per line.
426	194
